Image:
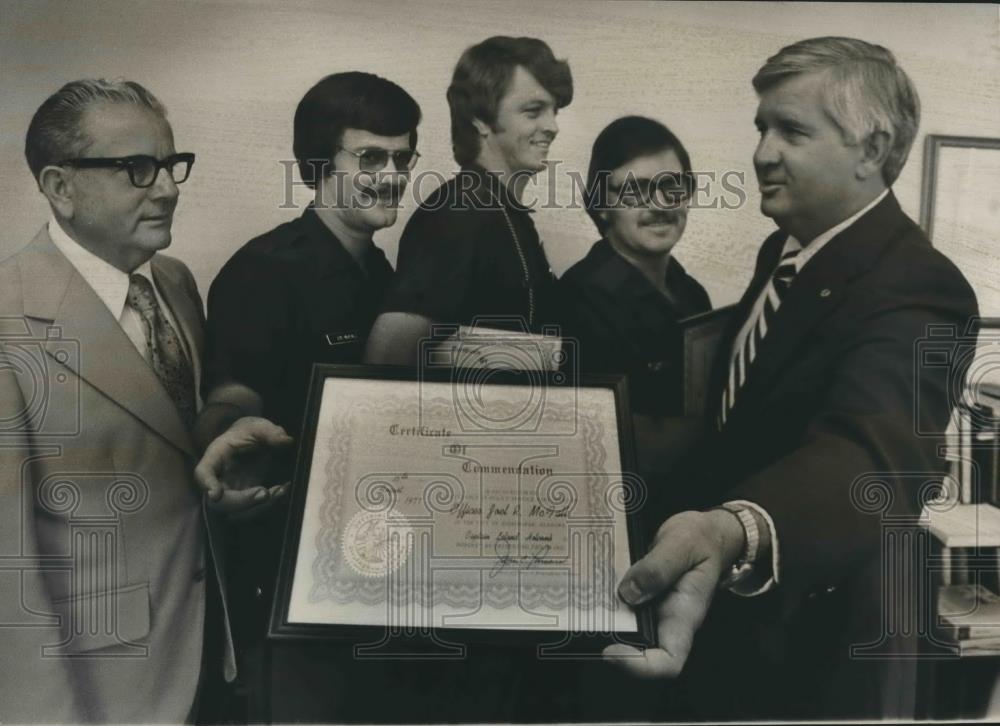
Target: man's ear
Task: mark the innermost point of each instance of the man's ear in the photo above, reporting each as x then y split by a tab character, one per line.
482	128
874	151
57	186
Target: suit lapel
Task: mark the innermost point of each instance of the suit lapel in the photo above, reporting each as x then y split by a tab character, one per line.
108	361
820	288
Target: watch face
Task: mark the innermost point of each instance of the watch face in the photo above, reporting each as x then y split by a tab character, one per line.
737	574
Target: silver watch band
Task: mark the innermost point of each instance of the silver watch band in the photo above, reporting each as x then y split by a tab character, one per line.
744	564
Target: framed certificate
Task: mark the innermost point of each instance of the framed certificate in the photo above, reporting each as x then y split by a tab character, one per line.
466	505
700	338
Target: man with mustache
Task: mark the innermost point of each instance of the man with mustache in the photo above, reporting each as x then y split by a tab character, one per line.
625	297
819	399
305	292
623	302
110	589
471	249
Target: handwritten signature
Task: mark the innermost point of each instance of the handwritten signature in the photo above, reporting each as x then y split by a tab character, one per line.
521	562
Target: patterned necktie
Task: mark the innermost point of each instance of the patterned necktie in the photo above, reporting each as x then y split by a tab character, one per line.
774	293
166	355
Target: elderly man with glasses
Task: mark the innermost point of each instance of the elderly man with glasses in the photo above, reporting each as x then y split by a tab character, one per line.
110	599
305	292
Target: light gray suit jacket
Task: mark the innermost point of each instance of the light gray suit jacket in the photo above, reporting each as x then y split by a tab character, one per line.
104	538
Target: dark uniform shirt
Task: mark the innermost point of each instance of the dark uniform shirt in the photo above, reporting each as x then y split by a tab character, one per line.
471	250
624	325
287	299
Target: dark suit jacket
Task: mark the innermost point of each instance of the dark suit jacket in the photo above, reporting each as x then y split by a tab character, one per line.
824	437
103	538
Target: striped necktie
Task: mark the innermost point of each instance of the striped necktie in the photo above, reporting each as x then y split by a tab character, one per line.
165	353
739	367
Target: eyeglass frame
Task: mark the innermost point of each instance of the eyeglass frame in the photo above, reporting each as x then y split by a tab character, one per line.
652	189
128	164
360	154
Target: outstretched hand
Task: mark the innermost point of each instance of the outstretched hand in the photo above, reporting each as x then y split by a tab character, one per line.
692	553
233	468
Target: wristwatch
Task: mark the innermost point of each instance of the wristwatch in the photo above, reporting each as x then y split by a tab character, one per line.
743	566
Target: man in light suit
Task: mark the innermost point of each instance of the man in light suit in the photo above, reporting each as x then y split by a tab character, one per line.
820	402
110	601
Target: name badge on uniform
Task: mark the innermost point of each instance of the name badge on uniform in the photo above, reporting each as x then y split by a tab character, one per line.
341	338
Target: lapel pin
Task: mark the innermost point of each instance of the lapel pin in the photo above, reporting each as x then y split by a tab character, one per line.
825	292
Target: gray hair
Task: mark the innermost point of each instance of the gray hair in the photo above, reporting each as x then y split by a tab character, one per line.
56	130
868	91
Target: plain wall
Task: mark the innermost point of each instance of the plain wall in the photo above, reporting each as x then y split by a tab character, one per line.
231	74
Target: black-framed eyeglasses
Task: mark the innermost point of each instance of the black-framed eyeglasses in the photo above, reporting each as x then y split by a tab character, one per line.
142	169
374	159
667	189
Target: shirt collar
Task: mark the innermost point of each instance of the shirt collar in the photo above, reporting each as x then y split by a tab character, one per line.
332	254
610	271
498	191
617	275
108	282
810	250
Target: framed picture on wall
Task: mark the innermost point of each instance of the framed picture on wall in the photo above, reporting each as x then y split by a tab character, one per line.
960	209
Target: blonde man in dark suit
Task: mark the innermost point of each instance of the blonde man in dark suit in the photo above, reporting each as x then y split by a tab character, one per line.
819	402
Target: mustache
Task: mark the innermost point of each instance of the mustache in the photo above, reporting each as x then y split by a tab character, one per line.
393	190
660	216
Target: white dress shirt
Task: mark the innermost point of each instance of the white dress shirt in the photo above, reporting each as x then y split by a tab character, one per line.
801	260
111	286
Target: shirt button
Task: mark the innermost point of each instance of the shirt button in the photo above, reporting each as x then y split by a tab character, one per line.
258	592
656	365
825	292
830	589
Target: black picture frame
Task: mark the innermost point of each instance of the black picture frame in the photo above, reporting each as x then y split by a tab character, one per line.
281	628
700	337
933	144
972	258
